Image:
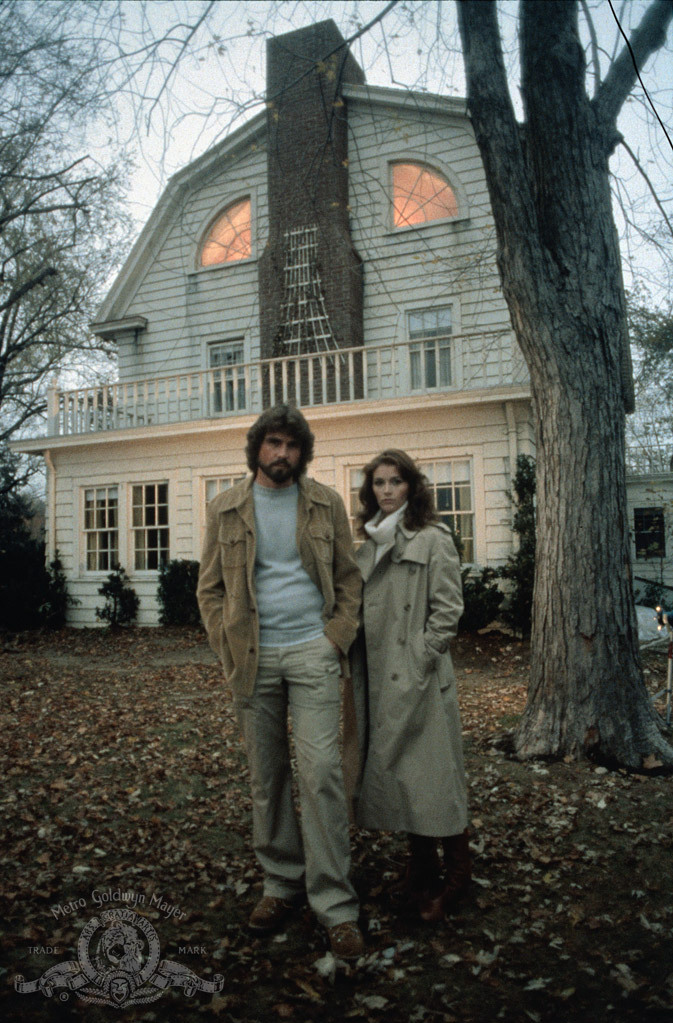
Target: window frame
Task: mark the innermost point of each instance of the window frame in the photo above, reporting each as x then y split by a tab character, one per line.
423	465
350	490
227	377
232	478
352	503
133	529
646	553
421	166
209	223
85	532
434	164
423	345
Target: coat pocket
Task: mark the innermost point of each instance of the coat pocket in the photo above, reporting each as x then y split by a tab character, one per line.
231	538
233	552
322	541
424	660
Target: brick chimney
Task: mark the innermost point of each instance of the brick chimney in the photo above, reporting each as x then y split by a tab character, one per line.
310	276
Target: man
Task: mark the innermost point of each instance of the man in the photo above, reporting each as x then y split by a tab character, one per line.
279	593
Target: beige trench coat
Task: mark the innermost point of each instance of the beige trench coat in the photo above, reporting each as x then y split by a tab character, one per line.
226	588
404	689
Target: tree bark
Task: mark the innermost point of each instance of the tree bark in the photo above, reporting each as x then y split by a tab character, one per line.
559	263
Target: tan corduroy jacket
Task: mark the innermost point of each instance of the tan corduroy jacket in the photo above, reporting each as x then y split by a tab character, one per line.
226	589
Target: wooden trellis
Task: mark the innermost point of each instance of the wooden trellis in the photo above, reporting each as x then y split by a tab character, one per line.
305	326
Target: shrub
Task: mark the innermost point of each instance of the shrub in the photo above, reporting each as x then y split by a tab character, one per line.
121	600
656	595
54	611
519	568
482	599
177	593
31	595
23	581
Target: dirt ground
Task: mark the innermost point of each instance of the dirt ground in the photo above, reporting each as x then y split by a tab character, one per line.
125	788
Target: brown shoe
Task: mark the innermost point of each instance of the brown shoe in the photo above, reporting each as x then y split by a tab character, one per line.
269	913
346	940
432	908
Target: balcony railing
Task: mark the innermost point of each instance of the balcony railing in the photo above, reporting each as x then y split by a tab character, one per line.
323	378
641	460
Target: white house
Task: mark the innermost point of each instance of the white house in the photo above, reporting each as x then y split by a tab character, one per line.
337	251
649	498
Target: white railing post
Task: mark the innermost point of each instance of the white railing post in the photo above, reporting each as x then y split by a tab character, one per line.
53	402
315	378
284	380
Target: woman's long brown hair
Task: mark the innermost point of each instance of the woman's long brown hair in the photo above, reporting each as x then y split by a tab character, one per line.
420	503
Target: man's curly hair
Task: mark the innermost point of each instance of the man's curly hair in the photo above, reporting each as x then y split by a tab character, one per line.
420	509
286	419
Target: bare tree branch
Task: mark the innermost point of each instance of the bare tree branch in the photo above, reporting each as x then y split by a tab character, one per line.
185	43
488	89
652	189
648	37
595	61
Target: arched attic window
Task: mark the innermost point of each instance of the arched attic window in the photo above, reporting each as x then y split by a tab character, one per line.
230	237
420	195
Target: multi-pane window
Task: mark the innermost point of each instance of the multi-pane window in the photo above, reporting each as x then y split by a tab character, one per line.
230	237
149	518
430	348
649	532
420	195
218	484
227	379
355	481
451	484
101	528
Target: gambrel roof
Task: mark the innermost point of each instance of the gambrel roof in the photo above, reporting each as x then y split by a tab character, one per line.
111	317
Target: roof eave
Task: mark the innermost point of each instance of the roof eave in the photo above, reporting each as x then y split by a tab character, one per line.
112	307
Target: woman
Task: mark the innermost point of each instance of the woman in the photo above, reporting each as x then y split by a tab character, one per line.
413	778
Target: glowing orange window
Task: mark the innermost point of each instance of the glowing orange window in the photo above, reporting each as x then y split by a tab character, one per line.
420	195
230	236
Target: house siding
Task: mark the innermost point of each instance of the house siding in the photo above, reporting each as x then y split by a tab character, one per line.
187	307
148	434
652	490
446	262
441	263
342	442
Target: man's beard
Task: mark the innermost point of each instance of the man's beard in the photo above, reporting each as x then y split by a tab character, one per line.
279	472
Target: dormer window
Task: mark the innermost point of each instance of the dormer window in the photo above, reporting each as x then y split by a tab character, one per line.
230	237
420	195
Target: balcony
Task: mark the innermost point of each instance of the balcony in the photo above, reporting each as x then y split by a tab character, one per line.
324	378
655	457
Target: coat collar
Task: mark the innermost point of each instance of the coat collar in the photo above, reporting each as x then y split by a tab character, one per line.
410	545
240	495
408	533
366	554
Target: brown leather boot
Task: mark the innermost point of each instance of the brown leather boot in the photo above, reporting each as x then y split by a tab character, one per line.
457	868
423	868
457	875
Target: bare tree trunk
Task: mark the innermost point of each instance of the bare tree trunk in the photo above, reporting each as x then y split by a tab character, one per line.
560	268
586	691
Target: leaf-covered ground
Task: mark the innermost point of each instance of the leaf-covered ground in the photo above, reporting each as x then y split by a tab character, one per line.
124	776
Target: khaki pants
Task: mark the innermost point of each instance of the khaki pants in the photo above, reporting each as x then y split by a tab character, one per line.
303	679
